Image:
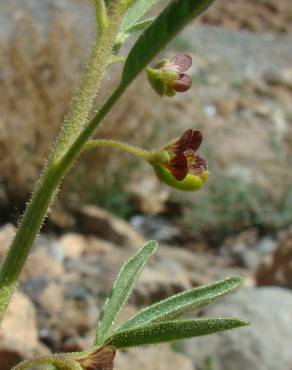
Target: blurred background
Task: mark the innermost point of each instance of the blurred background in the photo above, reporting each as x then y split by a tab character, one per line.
239	223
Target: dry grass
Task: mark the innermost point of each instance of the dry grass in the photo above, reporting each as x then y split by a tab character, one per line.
38	74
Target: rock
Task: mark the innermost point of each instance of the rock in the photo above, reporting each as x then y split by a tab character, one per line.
264	345
97	221
99	265
160	280
73	245
149	197
159	357
195	265
282	77
64	315
52	298
241	251
277	267
266	245
96	246
60	217
19	334
155	227
42	264
78	318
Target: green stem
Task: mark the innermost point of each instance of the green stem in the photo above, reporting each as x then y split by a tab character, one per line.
72	138
101	15
148	155
39	204
58	362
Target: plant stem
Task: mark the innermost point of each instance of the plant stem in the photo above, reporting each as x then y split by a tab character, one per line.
38	206
58	362
101	15
148	155
72	138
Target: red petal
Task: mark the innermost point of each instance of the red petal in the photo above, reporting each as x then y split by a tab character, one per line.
200	161
190	140
199	166
178	166
182	62
183	83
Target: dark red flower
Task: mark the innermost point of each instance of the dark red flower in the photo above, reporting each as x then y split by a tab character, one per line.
183	157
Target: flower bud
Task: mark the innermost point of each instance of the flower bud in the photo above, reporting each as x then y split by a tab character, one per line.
168	77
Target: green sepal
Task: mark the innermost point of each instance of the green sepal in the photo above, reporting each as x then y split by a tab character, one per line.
189	183
161	80
156	81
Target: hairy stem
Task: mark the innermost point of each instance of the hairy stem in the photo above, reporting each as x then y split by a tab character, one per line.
101	15
148	155
72	138
58	362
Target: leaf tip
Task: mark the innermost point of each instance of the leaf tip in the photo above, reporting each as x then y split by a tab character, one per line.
151	245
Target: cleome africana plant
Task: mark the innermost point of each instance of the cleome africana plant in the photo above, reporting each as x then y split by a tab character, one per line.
177	164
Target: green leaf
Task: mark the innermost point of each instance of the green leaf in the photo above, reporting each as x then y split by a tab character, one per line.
169	22
136	27
139	8
172	330
182	303
122	288
139	26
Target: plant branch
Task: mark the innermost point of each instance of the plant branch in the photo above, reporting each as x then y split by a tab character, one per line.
148	155
72	138
58	362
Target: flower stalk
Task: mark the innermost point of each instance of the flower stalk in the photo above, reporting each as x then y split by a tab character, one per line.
177	164
148	155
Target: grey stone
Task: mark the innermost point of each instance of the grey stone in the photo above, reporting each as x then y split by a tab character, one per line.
152	358
264	345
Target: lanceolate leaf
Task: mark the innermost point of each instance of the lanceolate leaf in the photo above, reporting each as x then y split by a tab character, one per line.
122	288
169	22
182	303
171	330
139	8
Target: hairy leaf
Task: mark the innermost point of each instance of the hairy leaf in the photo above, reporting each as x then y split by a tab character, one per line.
182	303
172	330
122	288
169	22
